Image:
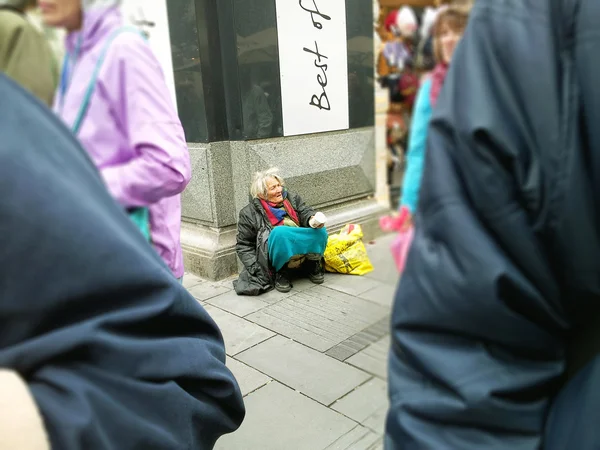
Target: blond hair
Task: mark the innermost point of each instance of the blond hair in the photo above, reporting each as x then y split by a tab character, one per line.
259	188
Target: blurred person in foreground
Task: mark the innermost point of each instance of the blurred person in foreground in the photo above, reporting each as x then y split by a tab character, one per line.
100	347
277	233
25	55
114	97
496	322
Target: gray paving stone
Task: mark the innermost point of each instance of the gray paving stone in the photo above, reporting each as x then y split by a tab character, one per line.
356	343
351	284
274	296
206	290
316	375
238	333
240	305
360	438
367	404
319	317
373	359
248	378
278	418
190	280
382	295
383	262
378	445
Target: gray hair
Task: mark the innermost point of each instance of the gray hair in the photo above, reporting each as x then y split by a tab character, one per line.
259	188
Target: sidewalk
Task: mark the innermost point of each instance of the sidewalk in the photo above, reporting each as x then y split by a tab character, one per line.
311	363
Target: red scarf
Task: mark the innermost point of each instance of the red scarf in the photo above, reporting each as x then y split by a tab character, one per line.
437	81
269	207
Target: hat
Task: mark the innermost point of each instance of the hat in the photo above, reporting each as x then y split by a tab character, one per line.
390	22
406	21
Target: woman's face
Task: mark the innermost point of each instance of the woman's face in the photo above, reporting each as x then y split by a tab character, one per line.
449	38
61	13
274	191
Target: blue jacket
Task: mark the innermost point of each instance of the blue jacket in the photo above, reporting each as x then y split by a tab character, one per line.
411	184
114	350
496	322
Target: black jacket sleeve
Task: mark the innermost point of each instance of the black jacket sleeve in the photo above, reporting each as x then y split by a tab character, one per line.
245	246
115	351
304	211
478	323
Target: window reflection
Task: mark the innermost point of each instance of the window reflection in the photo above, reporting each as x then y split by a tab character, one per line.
186	64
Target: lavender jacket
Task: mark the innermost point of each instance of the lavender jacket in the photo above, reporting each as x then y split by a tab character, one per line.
132	131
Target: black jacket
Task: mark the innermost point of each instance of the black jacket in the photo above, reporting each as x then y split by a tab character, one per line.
501	294
114	350
251	247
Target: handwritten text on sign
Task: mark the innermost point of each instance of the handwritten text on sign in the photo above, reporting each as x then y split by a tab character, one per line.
313	59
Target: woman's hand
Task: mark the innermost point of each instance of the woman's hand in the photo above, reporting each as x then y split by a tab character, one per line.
405	218
407	223
316	227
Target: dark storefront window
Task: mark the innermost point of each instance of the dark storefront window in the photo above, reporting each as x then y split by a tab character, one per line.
258	58
359	23
186	65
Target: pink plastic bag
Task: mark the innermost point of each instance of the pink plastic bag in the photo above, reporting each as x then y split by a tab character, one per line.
401	246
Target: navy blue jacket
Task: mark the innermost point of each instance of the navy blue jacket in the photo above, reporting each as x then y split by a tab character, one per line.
496	321
115	351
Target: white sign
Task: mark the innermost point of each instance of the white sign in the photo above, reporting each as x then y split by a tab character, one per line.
313	59
152	18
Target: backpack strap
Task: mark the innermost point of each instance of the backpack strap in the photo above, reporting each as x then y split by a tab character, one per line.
83	109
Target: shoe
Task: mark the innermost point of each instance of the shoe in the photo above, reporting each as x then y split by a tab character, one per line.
282	284
316	273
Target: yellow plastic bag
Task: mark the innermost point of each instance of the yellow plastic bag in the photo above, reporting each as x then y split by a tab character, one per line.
346	252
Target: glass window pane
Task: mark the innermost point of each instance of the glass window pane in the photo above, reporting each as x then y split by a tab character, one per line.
256	29
359	23
186	64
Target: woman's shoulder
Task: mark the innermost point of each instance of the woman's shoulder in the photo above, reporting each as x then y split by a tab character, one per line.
129	47
12	23
250	210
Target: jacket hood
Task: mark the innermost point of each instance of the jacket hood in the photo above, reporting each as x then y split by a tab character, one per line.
90	4
100	18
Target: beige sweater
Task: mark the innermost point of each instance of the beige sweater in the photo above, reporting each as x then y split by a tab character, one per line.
21	424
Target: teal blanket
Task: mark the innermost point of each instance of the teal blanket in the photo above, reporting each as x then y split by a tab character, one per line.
285	242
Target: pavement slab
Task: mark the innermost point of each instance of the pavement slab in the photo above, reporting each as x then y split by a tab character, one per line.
319	317
248	378
359	438
373	359
351	284
238	305
239	334
279	418
310	372
207	290
367	405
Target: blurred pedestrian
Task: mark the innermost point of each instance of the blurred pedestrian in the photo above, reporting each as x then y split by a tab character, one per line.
114	96
100	347
25	56
496	321
448	30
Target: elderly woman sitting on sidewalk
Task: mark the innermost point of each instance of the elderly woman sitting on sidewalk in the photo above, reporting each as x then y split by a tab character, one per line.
277	232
